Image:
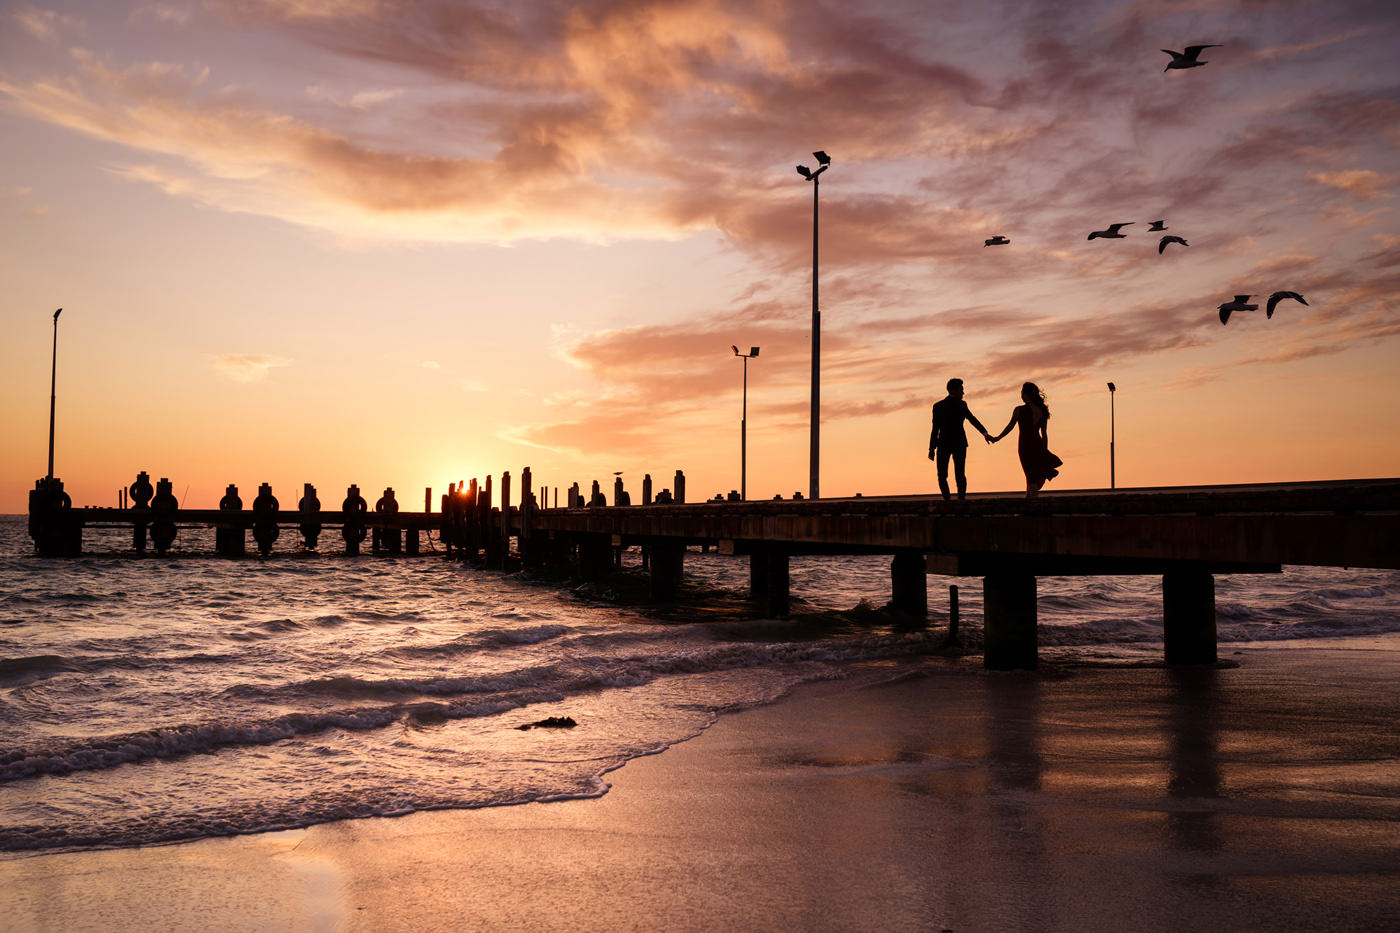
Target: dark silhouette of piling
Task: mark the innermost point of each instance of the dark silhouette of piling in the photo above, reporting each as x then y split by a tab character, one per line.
141	492
228	537
352	528
310	508
265	530
163	509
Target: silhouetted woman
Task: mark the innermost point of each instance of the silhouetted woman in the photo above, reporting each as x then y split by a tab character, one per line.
1037	462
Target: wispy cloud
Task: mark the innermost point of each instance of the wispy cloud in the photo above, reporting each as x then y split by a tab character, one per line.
248	367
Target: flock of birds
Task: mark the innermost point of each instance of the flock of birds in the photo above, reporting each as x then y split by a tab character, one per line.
1189	58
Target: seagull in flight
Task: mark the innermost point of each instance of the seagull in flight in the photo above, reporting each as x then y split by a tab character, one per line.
1276	297
1241	303
1187	59
1112	231
997	240
1162	244
1157	226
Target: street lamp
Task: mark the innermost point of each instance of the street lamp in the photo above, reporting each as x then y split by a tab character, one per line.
1111	479
744	425
813	489
53	384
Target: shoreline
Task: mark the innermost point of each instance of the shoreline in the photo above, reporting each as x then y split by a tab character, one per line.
1261	796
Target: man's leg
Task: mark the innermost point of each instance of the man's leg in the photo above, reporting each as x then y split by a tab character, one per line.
943	472
960	470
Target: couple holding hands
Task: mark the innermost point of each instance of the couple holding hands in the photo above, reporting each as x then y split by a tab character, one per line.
949	441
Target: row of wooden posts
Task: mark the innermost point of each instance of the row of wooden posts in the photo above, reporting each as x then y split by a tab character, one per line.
467	522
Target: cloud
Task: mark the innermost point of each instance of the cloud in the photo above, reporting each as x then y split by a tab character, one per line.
1363	184
248	367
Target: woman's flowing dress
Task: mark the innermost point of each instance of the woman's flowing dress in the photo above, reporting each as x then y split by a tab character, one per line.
1037	462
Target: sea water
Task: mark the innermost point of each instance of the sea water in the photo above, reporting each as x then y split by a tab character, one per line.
147	699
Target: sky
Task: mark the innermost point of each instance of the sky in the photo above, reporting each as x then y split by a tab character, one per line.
411	243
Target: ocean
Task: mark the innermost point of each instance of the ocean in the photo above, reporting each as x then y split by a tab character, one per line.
150	700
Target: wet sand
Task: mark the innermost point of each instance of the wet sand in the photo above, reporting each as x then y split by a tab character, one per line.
1264	796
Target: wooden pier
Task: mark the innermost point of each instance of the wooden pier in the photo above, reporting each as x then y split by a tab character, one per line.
1186	535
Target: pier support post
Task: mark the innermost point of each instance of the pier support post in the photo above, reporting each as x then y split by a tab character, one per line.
594	556
909	583
775	582
758	573
667	567
1188	617
1009	621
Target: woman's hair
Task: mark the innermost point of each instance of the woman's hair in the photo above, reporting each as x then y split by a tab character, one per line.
1031	393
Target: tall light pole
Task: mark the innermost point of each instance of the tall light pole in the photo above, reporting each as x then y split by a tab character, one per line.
744	425
814	483
53	385
1111	478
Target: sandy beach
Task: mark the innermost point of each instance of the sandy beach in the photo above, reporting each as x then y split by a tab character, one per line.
1259	796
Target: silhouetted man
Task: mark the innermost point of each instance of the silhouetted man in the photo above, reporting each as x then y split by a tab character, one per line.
948	439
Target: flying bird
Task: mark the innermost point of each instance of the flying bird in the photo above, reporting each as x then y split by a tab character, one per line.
1241	303
1157	226
997	240
1162	244
1187	59
1112	231
1276	297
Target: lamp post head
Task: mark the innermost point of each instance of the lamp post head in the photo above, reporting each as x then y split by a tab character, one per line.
804	171
1112	387
56	314
753	351
734	348
822	157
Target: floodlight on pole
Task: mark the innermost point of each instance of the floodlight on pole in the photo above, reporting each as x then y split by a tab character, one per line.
744	424
53	385
1112	480
814	481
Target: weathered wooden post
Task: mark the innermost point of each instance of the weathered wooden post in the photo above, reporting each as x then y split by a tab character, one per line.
597	498
667	567
679	487
505	518
53	526
352	517
1188	617
777	593
265	530
525	543
163	509
1009	621
953	620
228	536
388	508
909	583
310	508
758	573
141	492
445	521
594	556
646	489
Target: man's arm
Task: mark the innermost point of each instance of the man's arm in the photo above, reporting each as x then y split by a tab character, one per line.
975	423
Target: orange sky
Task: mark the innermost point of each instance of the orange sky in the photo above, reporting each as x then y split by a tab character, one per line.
401	244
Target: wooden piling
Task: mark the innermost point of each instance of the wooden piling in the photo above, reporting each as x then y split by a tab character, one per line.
1009	621
667	568
1188	617
909	583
